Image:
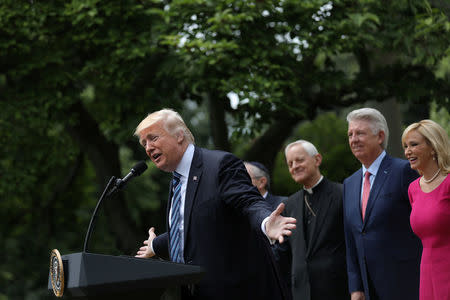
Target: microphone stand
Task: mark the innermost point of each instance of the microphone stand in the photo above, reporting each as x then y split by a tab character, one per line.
94	215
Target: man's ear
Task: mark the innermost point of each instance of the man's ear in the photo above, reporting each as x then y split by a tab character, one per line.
179	136
263	182
318	159
381	137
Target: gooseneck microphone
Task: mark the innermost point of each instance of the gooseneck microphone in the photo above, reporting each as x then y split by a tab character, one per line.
116	184
137	170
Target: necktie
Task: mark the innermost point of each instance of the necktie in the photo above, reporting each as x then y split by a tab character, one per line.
175	219
366	192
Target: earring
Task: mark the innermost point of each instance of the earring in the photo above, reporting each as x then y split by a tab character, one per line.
433	154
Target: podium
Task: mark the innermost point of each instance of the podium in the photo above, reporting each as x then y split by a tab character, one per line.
98	276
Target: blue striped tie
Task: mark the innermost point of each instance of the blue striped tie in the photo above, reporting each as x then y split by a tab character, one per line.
176	252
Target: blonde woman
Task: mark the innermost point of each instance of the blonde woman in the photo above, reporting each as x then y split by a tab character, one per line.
427	148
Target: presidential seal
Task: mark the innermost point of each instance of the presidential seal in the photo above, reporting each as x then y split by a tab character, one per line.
57	273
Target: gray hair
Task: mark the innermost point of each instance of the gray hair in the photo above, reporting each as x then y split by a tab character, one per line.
258	172
172	122
376	120
308	146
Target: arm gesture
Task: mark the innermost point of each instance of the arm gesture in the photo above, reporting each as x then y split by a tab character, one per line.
146	251
277	226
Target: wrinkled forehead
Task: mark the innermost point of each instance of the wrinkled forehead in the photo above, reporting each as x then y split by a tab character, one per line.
295	152
149	132
360	124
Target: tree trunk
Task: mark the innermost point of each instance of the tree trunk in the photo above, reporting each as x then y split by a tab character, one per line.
266	147
104	156
391	111
219	130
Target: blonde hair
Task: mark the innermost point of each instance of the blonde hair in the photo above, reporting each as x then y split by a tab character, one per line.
172	123
437	138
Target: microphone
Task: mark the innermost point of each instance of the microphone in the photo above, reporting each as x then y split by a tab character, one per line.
137	170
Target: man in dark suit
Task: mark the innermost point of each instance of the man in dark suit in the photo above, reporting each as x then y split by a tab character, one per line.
261	180
383	254
317	245
215	217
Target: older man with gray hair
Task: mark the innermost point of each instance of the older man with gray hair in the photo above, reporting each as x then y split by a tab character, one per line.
261	180
383	254
215	218
317	246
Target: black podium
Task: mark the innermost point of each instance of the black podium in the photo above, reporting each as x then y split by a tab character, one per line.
98	276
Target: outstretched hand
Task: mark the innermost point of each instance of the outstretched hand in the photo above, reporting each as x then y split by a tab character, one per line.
278	226
146	250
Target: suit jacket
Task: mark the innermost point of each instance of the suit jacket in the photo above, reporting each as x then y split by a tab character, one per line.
383	248
274	200
281	252
318	270
222	231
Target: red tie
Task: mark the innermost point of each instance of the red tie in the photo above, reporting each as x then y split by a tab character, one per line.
366	192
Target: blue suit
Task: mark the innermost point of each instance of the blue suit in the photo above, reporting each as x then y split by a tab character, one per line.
382	252
222	231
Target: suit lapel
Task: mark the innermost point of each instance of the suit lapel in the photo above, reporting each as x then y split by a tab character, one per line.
378	183
191	189
355	192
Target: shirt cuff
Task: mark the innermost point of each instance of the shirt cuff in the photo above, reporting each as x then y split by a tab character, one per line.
263	228
151	247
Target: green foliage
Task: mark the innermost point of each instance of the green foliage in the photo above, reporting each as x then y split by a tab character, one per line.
116	61
328	133
441	116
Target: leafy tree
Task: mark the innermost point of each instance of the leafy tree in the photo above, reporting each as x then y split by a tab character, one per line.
77	76
441	116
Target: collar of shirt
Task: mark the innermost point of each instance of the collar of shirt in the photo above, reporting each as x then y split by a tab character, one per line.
185	164
310	190
373	168
265	195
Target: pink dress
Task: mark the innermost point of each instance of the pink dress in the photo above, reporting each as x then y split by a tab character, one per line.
430	220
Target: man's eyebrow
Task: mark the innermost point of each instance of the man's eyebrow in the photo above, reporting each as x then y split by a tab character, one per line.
143	138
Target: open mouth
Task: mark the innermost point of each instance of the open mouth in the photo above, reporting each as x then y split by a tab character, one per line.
156	156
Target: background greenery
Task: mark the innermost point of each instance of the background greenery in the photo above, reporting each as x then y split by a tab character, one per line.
77	76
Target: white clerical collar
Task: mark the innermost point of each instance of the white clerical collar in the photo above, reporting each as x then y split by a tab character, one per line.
185	164
310	190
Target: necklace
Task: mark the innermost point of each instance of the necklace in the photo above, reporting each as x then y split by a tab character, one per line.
432	178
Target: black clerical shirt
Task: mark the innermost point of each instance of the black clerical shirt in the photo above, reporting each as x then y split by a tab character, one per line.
311	207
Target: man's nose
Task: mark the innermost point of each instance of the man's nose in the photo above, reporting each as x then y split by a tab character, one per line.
149	147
